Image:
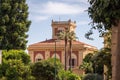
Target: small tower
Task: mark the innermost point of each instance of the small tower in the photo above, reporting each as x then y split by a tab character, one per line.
58	26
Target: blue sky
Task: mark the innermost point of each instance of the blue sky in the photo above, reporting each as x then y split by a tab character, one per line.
41	12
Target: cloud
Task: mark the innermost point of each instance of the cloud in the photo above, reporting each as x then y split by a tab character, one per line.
56	8
83	23
78	1
38	18
44	10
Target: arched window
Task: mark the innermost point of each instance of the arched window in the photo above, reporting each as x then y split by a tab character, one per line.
73	59
38	57
57	56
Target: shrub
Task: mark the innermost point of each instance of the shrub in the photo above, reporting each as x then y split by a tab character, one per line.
67	75
92	77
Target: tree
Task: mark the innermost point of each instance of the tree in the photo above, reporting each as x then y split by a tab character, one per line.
15	66
105	14
107	50
67	36
45	69
64	36
16	55
95	62
67	75
106	61
72	37
87	64
16	70
92	77
14	24
107	39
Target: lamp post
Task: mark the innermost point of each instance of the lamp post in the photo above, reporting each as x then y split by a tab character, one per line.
55	57
55	60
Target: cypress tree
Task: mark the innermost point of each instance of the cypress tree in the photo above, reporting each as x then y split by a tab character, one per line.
14	24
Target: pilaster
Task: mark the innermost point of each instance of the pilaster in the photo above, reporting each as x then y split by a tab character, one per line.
31	53
80	57
63	57
47	54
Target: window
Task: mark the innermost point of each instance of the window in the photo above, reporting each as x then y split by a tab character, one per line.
38	60
38	57
73	62
61	29
55	31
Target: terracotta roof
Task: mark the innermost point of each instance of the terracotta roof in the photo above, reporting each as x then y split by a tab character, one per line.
52	41
60	42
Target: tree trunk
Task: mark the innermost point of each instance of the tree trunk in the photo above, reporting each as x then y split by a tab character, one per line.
70	43
65	54
0	56
116	52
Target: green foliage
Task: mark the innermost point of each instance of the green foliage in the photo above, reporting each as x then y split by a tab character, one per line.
103	57
67	35
15	66
45	70
15	55
3	78
95	63
106	60
67	75
92	77
73	77
88	57
87	67
14	24
104	14
87	64
107	39
15	70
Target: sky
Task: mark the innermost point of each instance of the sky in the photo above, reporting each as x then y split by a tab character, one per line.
42	12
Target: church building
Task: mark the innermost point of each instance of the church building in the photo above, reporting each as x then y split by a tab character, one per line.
46	49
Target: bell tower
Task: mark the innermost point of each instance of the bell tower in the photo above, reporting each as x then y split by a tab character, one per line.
58	26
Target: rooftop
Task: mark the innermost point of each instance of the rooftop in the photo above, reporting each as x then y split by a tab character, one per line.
60	43
63	22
